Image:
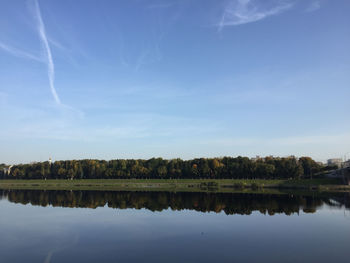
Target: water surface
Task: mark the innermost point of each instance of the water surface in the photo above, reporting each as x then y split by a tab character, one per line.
97	226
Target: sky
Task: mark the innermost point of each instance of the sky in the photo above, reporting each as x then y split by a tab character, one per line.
184	79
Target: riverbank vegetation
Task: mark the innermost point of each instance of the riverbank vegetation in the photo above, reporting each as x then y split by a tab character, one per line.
158	168
191	185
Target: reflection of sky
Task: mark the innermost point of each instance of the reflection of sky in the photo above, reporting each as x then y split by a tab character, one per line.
33	234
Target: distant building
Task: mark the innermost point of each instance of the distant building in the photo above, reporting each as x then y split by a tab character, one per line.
335	161
254	159
7	170
346	164
50	161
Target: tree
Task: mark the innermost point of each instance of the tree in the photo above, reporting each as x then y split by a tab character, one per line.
309	166
226	167
162	171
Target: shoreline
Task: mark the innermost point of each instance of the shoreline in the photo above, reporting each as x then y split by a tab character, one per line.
190	185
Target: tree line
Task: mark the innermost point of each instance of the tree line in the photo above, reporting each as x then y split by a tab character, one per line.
158	168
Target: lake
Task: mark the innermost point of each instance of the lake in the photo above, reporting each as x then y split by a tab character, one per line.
108	226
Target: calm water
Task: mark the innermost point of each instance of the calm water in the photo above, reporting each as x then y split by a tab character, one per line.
92	226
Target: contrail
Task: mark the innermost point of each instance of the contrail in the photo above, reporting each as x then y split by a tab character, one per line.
18	53
50	65
241	12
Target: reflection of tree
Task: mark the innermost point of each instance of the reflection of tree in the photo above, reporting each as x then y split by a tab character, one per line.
230	203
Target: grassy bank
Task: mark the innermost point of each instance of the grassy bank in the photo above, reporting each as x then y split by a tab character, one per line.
222	185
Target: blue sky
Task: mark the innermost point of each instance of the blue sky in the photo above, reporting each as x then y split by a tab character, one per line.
187	78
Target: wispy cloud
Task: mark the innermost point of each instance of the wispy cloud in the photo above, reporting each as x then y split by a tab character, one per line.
47	50
315	5
239	12
19	53
57	44
157	24
149	54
